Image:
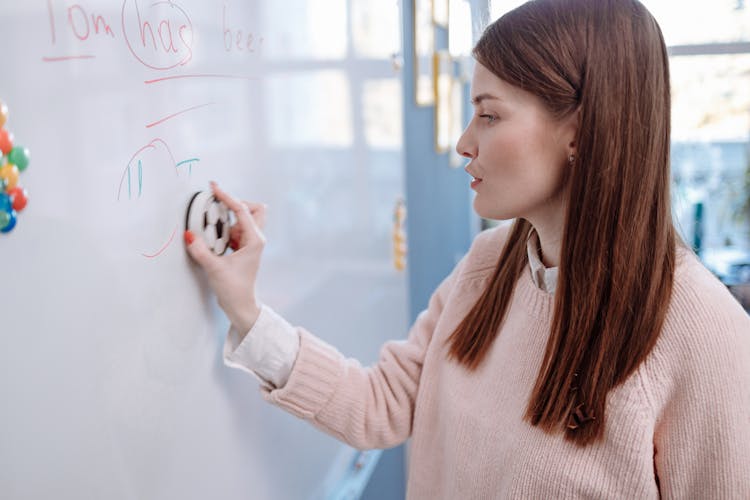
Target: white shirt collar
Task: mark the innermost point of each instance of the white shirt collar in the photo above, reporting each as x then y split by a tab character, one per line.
544	277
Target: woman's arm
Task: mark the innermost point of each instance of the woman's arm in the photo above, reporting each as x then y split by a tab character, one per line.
364	407
702	435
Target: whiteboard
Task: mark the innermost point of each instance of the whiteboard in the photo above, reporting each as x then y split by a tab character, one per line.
111	378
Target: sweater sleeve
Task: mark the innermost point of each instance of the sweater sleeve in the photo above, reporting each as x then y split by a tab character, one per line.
702	433
364	407
267	351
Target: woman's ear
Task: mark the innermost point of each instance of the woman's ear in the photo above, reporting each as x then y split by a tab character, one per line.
569	131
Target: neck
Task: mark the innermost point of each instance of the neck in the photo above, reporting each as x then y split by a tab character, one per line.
550	247
549	228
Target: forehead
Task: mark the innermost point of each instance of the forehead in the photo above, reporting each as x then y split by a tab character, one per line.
485	82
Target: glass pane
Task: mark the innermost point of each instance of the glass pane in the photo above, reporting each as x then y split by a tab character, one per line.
309	108
500	7
710	98
305	29
459	29
701	21
683	21
710	168
382	113
424	50
376	28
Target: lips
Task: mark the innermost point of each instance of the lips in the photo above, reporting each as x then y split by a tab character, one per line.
475	180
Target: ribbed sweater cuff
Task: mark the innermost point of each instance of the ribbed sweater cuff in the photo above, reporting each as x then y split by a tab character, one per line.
316	375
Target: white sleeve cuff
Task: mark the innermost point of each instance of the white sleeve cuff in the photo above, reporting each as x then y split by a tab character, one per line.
268	351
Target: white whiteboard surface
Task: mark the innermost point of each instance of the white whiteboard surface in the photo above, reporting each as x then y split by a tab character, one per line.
111	379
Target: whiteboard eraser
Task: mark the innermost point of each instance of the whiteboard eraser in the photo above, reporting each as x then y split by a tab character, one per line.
208	218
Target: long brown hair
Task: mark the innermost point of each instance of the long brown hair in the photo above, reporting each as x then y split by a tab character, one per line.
607	60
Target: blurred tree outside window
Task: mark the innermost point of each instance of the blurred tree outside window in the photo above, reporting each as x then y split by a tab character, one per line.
709	46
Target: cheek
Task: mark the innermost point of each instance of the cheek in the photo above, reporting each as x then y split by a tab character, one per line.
546	175
545	161
524	148
527	169
508	150
516	158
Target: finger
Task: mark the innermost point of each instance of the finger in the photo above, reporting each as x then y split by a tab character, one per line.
198	250
241	211
248	226
258	211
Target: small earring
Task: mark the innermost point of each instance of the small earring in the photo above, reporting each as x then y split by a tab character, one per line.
571	158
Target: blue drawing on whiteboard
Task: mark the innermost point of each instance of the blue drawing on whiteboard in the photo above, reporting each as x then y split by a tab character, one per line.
189	162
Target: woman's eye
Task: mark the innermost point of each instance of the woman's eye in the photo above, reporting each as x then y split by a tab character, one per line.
489	118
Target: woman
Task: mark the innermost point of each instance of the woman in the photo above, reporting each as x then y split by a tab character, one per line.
583	353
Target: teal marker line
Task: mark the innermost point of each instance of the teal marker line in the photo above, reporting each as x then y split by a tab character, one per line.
190	166
140	178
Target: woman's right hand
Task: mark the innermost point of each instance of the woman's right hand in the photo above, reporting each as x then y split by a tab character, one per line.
232	277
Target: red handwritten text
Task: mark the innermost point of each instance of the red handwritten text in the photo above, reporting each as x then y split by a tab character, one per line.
81	23
159	34
78	20
237	40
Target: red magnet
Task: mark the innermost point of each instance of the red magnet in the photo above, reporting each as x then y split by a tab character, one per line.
19	197
6	141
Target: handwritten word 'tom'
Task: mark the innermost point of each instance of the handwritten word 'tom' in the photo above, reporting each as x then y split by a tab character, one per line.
78	22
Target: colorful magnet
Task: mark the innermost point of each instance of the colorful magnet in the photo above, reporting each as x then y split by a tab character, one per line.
19	156
6	141
4	219
10	173
13	160
208	217
19	197
11	221
6	203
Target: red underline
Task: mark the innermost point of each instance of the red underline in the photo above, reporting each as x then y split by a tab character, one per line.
178	113
65	58
208	75
161	250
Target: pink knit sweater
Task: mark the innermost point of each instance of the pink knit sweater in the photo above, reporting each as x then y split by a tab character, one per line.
677	428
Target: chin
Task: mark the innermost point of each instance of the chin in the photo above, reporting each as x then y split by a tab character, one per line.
494	213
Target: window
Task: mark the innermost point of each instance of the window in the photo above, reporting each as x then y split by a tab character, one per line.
333	103
709	45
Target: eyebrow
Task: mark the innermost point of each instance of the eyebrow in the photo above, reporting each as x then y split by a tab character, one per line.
476	100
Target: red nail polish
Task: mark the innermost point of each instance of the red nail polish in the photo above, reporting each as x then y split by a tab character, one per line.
189	237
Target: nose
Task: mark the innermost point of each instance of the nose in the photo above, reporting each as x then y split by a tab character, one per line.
465	145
